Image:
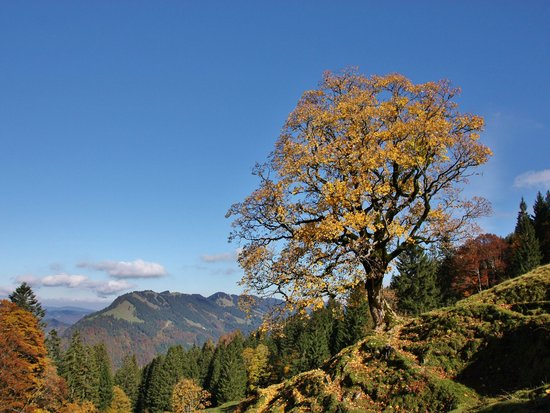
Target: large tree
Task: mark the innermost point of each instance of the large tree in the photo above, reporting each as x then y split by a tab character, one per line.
364	168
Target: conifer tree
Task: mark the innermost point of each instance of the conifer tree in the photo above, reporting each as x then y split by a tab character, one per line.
128	378
155	401
232	382
541	221
525	247
191	368
214	369
357	319
314	342
416	282
79	370
446	273
53	345
24	297
145	381
104	377
204	360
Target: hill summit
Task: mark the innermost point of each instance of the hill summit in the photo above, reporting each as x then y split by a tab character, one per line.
488	353
147	323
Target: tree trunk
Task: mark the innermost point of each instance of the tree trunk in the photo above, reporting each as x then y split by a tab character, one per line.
376	301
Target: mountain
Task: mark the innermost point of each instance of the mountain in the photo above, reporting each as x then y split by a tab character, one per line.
147	323
488	353
61	318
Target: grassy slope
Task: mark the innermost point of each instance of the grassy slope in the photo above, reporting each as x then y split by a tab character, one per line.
489	353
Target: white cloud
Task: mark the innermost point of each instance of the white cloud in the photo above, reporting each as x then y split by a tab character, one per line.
111	287
531	179
128	269
101	288
65	280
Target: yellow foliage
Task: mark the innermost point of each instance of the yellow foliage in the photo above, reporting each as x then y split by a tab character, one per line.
364	168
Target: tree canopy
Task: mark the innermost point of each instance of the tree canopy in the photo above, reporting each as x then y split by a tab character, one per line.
364	168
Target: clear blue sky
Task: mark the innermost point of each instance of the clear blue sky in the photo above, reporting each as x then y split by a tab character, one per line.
128	128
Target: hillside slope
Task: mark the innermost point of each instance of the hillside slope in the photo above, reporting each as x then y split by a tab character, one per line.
488	353
147	323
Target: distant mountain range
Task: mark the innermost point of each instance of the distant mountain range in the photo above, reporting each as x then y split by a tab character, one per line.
146	323
61	318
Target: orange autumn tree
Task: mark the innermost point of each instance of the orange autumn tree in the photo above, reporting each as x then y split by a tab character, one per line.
22	359
364	168
480	263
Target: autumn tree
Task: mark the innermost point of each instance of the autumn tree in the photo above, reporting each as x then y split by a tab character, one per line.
22	359
480	263
189	397
24	297
120	402
256	361
364	168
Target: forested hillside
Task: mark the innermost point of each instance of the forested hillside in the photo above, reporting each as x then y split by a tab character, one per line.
488	353
147	323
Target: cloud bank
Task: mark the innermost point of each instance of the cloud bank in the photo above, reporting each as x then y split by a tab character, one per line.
101	288
127	269
531	179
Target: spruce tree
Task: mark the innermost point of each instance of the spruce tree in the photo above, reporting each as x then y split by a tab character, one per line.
357	318
232	382
128	378
79	370
155	400
24	297
541	222
53	344
525	247
416	283
104	377
204	360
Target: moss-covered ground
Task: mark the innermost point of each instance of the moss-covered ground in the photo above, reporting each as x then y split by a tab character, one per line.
488	353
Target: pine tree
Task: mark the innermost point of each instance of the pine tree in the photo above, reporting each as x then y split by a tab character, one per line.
104	377
24	297
155	401
446	272
53	344
525	247
79	370
314	342
128	378
204	360
541	222
214	369
357	319
416	282
232	382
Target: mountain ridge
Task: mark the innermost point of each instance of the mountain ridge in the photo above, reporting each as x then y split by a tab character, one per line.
147	323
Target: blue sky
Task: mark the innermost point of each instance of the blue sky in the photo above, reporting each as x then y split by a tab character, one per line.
128	128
